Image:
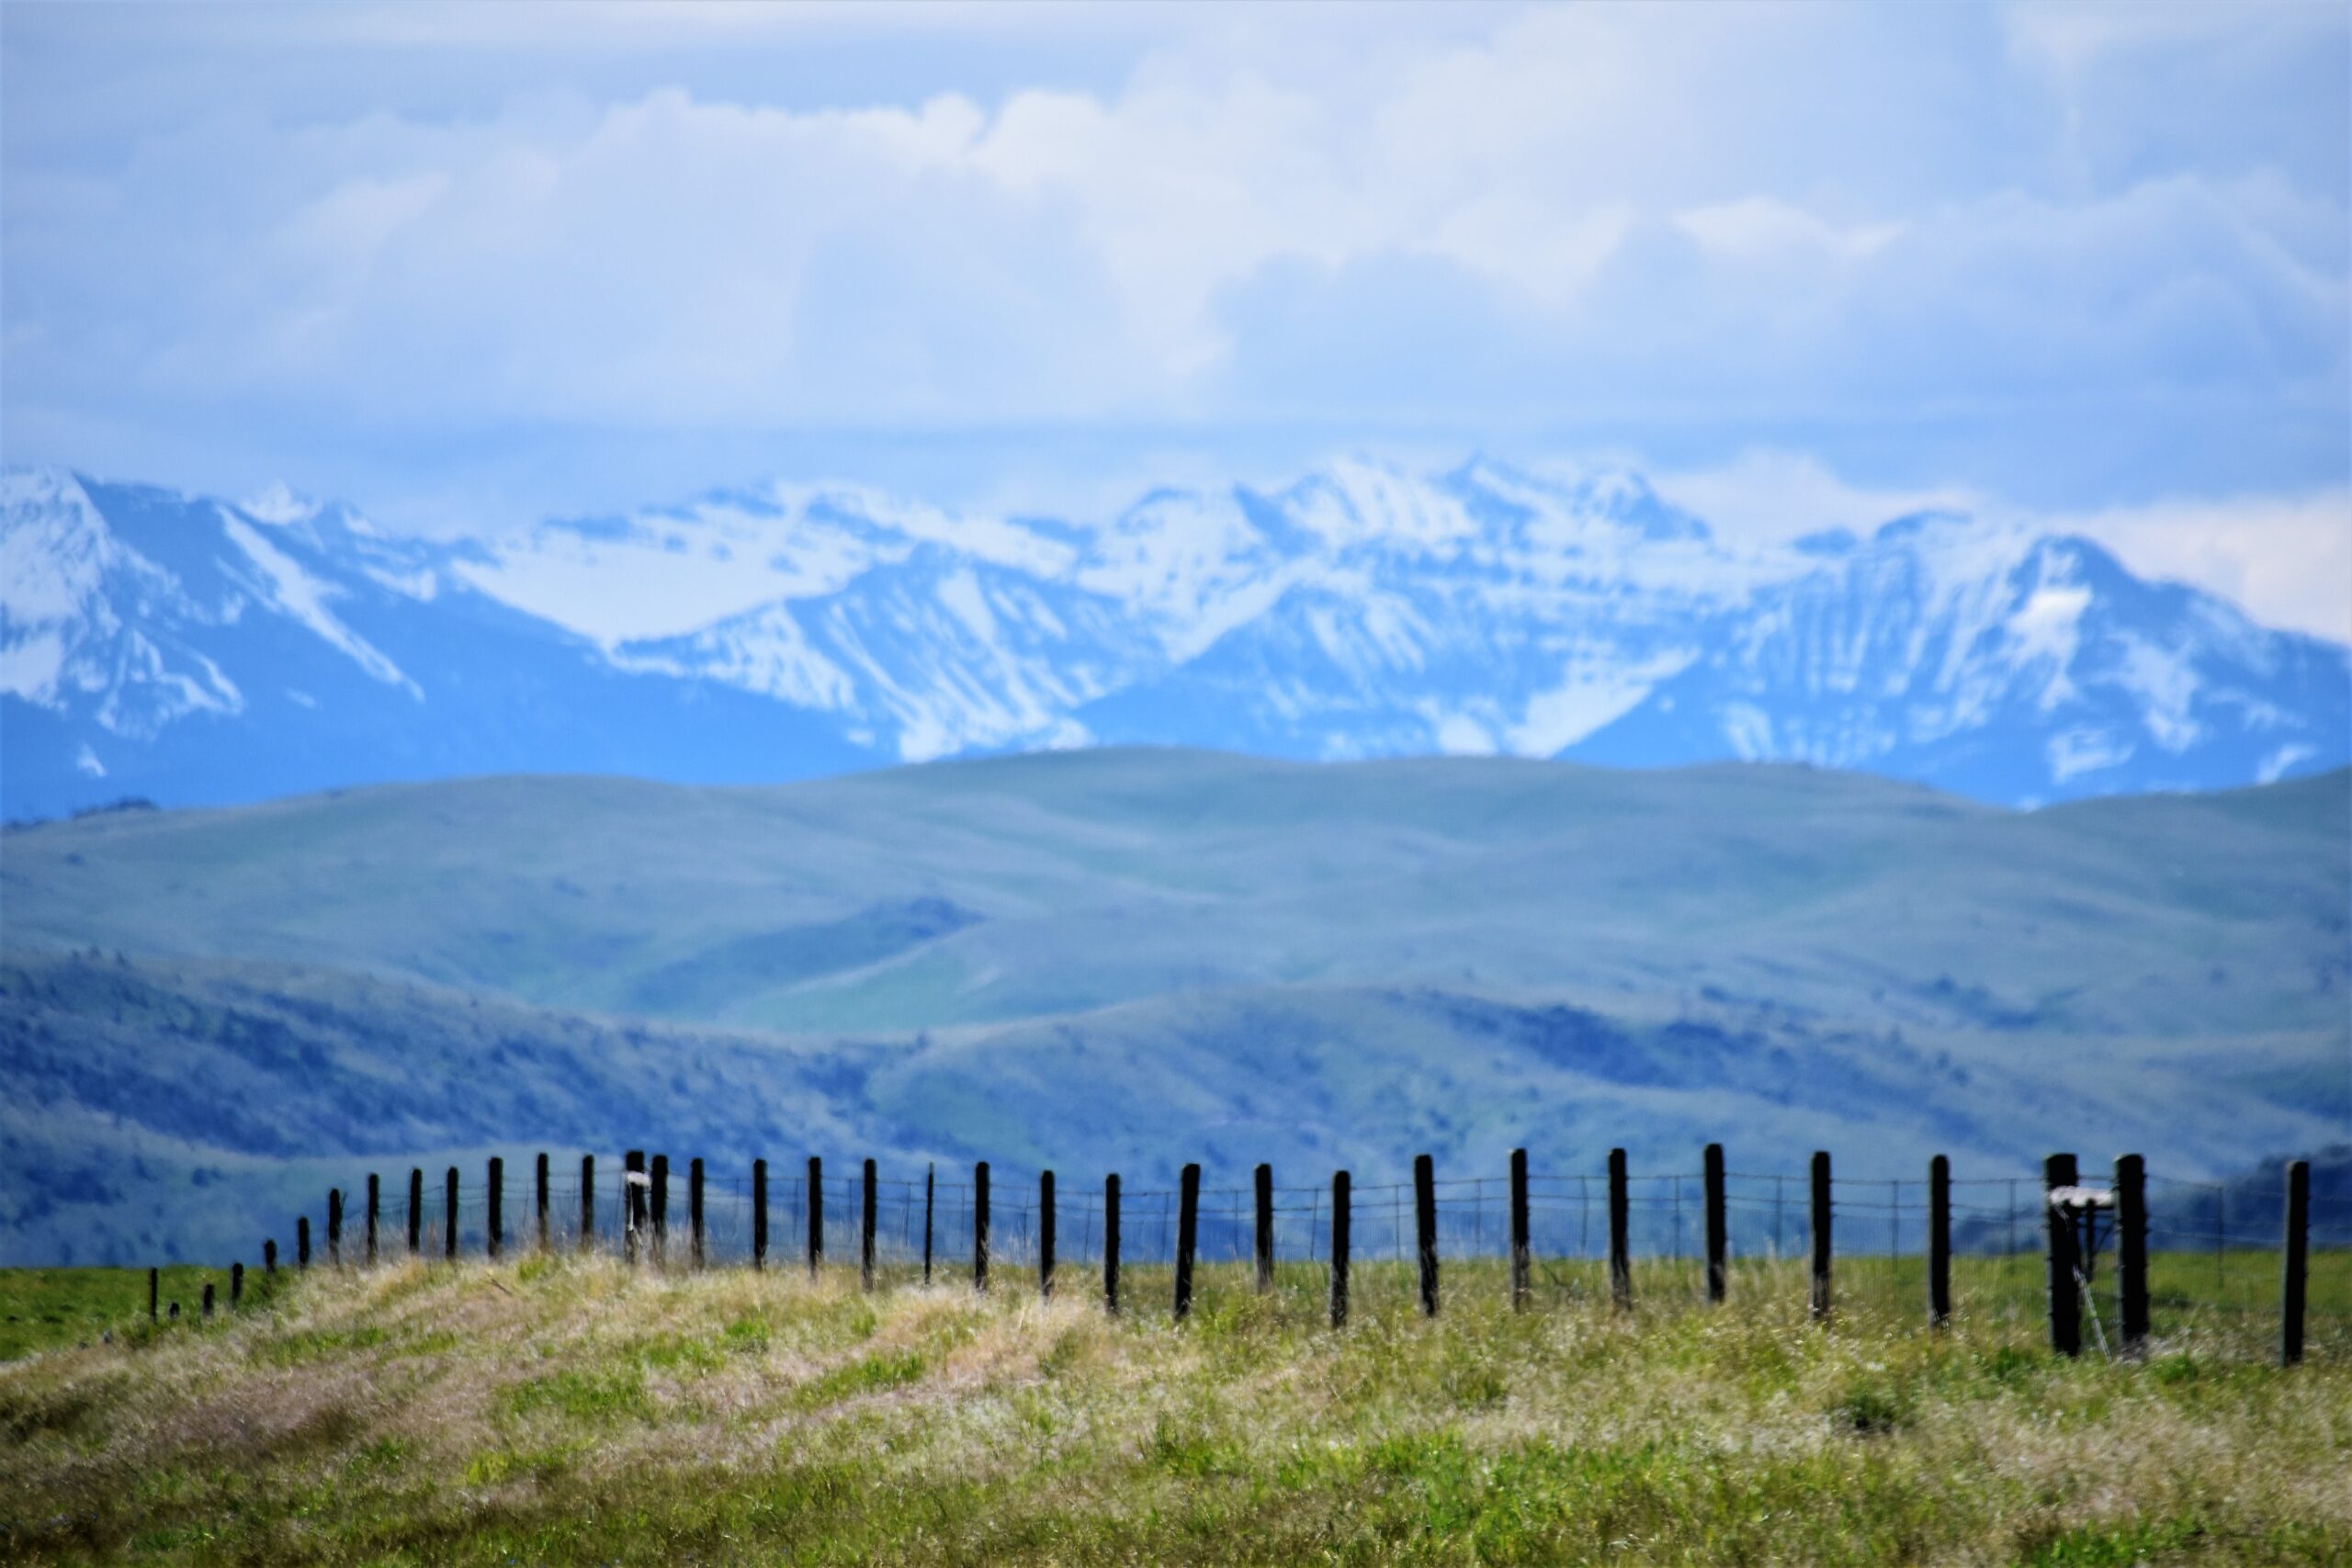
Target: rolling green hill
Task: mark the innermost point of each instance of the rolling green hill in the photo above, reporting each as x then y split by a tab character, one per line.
1123	959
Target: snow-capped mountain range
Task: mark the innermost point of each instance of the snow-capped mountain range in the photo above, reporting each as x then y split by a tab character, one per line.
194	650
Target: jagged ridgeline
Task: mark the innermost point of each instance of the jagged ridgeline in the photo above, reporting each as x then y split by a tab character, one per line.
197	651
1125	959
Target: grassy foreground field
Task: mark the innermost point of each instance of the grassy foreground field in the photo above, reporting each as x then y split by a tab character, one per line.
567	1410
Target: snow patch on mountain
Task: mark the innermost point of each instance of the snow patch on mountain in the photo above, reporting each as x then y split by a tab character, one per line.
287	588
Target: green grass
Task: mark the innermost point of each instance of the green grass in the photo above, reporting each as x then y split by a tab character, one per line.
42	1309
575	1412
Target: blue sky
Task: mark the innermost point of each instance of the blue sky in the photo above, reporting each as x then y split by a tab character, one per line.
473	265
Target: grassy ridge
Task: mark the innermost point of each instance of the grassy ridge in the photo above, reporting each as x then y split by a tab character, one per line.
562	1410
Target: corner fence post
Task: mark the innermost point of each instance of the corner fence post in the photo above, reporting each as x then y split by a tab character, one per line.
697	1237
930	1180
494	1224
587	1202
302	1243
1620	1252
334	1227
450	1216
415	1210
759	1214
1425	1229
2064	1290
632	1203
539	1198
1522	1255
1111	1243
1939	1243
1264	1235
661	1210
1342	1235
1045	1234
2131	1252
2294	1262
1188	1231
981	1227
865	1231
1718	1226
375	1206
1821	1230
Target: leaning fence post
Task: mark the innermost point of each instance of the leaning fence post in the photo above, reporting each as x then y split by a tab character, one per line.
2064	1289
334	1227
1620	1250
866	1232
154	1283
1264	1232
494	1223
1425	1229
2295	1255
816	1214
1045	1232
1821	1235
415	1210
759	1214
1718	1226
1111	1243
450	1211
2131	1252
1343	1226
1521	1258
981	1227
375	1204
660	1210
929	1177
302	1243
696	1238
236	1285
1188	1231
587	1202
1938	1242
540	1198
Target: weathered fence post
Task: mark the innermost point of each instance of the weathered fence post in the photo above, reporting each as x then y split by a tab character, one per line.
540	1198
208	1300
696	1237
633	1178
1620	1246
1425	1229
1939	1243
929	1177
2131	1252
302	1243
375	1206
2295	1257
587	1202
155	1285
268	1258
1263	1235
1342	1228
334	1227
1718	1226
866	1232
2064	1289
816	1239
494	1231
1821	1235
660	1210
415	1210
1521	1258
759	1214
450	1211
1111	1243
1045	1232
1188	1232
981	1227
236	1285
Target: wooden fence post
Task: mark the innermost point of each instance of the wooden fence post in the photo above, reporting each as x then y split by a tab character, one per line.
587	1202
661	1210
1821	1235
1111	1243
865	1231
1045	1234
1425	1229
302	1243
1718	1226
1620	1246
2064	1289
981	1227
633	1178
2131	1253
155	1285
1188	1232
334	1227
759	1214
696	1237
375	1206
1263	1235
494	1223
1342	1228
236	1285
816	1239
268	1258
930	1178
539	1197
208	1300
415	1210
1521	1256
1939	1243
449	1213
2295	1257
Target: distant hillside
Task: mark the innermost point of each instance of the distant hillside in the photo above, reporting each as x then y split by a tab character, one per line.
1124	959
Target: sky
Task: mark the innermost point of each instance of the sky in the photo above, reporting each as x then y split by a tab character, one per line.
472	266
